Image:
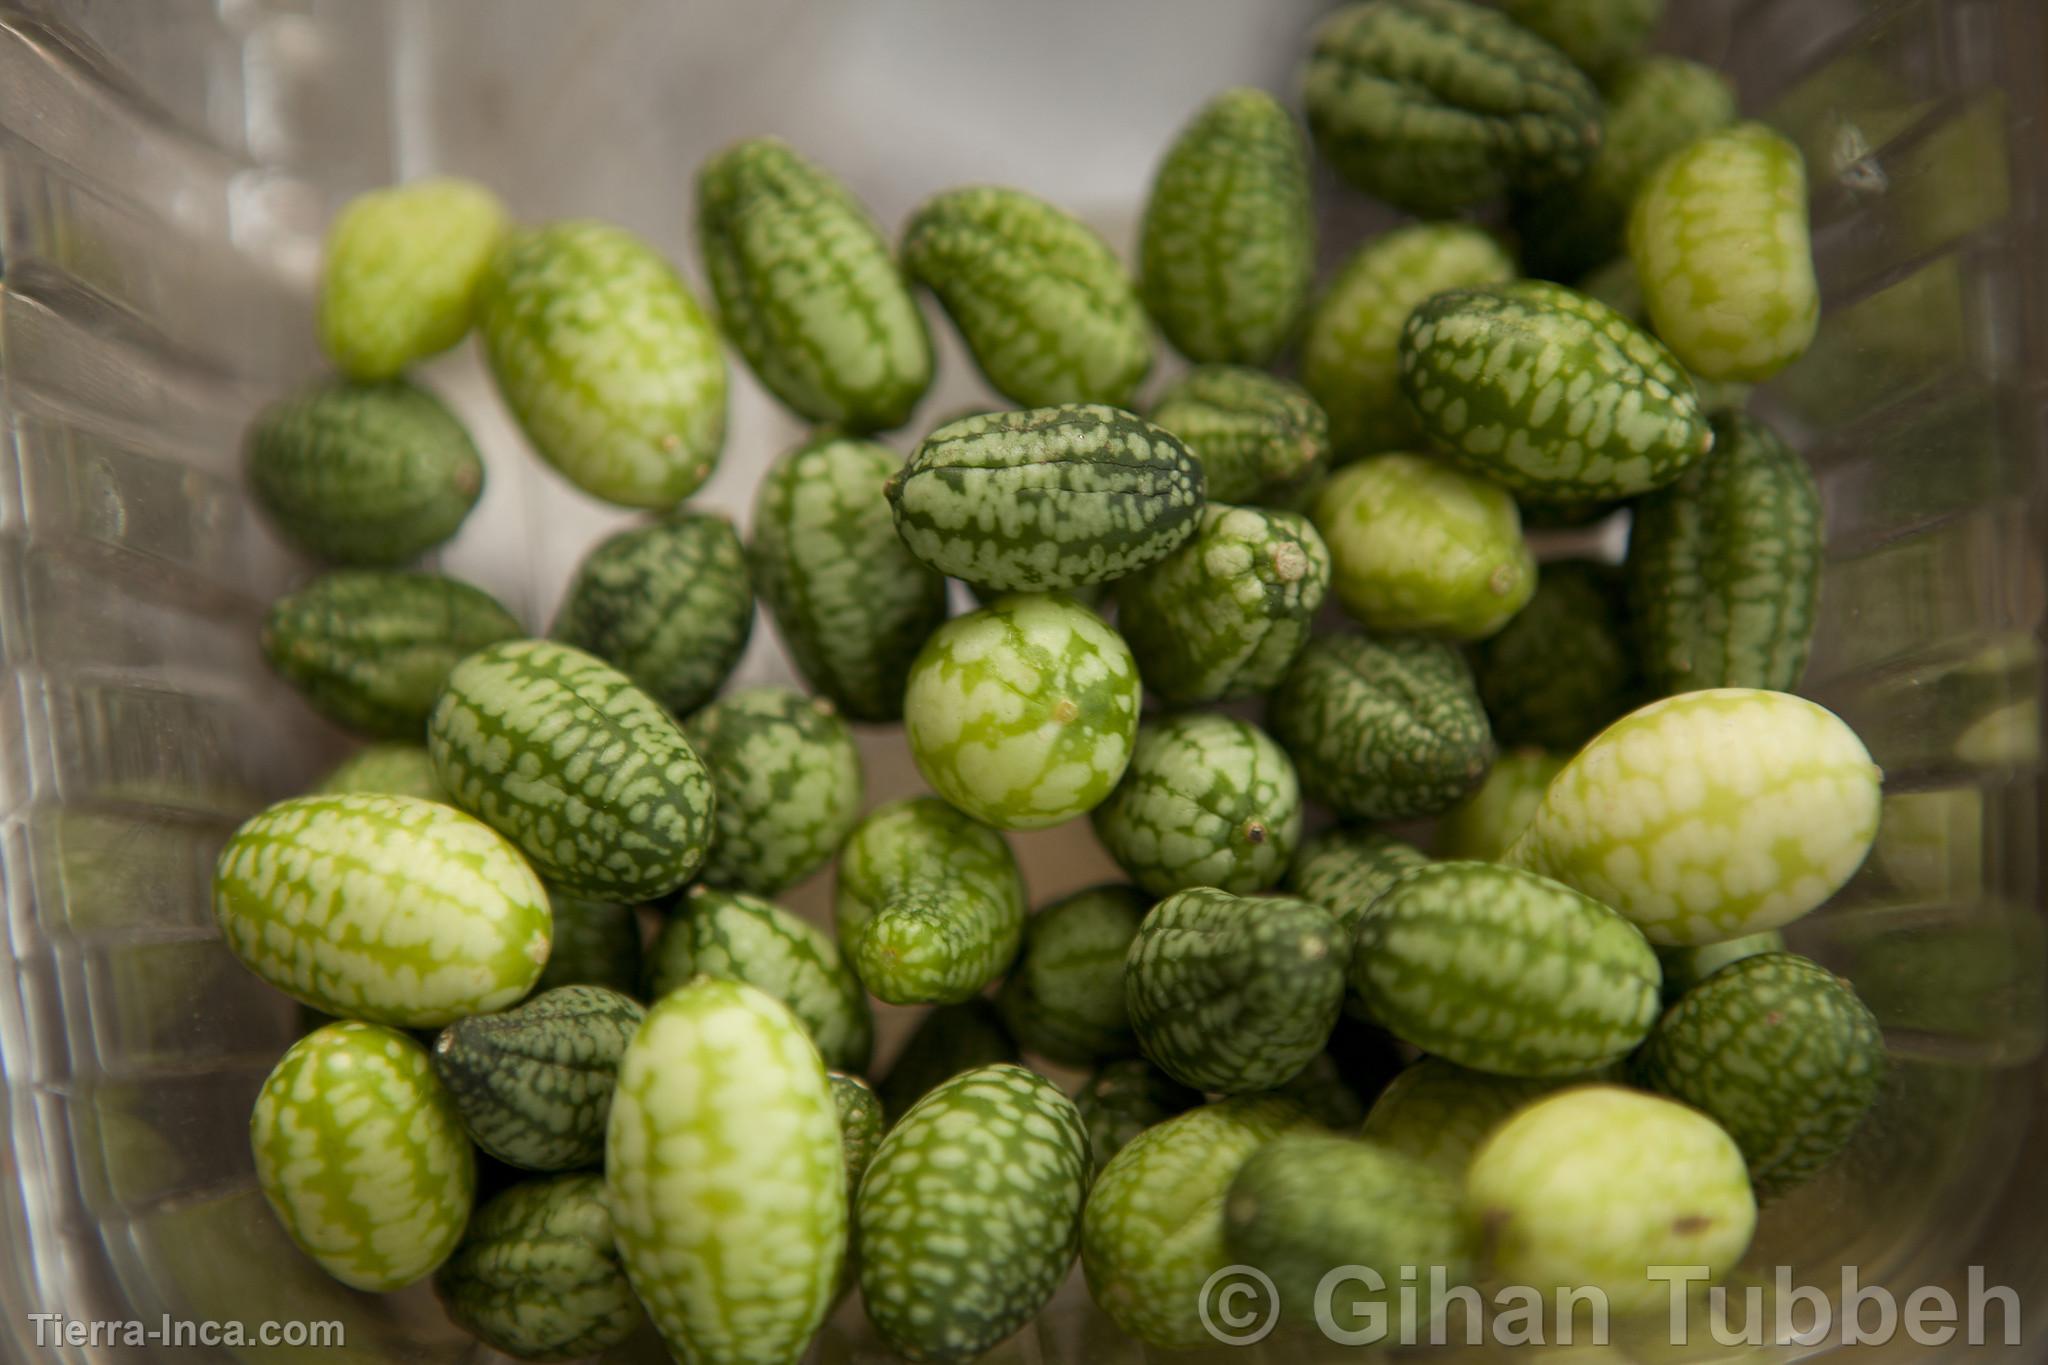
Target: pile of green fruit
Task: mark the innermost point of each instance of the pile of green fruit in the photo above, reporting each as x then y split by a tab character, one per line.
1609	1055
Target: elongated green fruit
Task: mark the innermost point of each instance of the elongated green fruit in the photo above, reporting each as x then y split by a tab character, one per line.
1259	438
929	903
1122	1100
1685	968
789	786
1437	1112
392	769
384	908
401	273
726	1176
1345	869
562	754
949	1040
1485	825
1564	668
1043	303
597	943
361	1156
1207	801
860	1123
606	360
1227	249
1064	999
1595	34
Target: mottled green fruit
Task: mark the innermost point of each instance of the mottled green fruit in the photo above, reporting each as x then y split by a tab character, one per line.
789	786
1125	1098
597	943
1595	34
668	604
1023	714
1064	1000
370	474
808	290
1484	825
1256	435
1563	669
1416	545
1324	1094
537	1276
1227	249
739	937
1778	1051
947	1041
1382	729
1432	105
1503	971
1685	968
970	1213
1437	1112
860	1123
1592	1187
1207	801
606	360
563	755
1549	393
1234	994
401	273
1350	349
1345	869
851	603
1047	498
369	649
392	769
1043	303
1615	285
361	1156
384	908
1724	567
929	903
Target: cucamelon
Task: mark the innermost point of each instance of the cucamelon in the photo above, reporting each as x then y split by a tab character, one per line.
1259	438
1483	826
1564	668
1064	998
392	769
401	273
789	784
1122	1100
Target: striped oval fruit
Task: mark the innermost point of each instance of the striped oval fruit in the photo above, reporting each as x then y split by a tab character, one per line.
369	474
1045	307
970	1213
668	604
384	908
1259	438
360	1154
726	1176
1563	669
559	752
534	1084
1721	245
1226	252
1595	34
1432	105
807	289
1615	285
1064	998
1233	994
929	903
607	362
743	938
1344	869
1549	393
1685	968
860	1123
401	273
789	785
1207	801
1485	825
392	769
1047	498
1504	971
950	1039
1382	729
597	943
1222	617
537	1276
1416	545
851	603
1779	1052
1122	1100
369	649
1724	567
1710	815
1023	714
1438	1113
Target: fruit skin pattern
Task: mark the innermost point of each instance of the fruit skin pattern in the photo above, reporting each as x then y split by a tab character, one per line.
361	1156
992	1166
1227	249
807	289
1259	438
1778	1051
1046	498
1438	1112
1503	971
1023	714
606	360
1485	825
726	1176
1222	617
562	754
1710	815
1064	998
1432	105
1345	870
667	603
597	943
860	1123
1122	1100
364	474
1564	668
401	273
1595	34
1208	800
1232	994
369	649
929	903
1549	393
390	769
1045	307
384	908
851	603
951	1039
1724	567
1685	968
789	786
